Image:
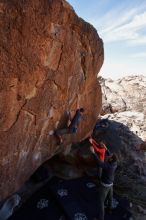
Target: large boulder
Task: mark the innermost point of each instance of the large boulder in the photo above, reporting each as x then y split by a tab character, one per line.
49	63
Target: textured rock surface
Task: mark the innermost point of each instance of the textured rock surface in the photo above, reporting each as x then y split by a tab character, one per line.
126	94
125	101
49	60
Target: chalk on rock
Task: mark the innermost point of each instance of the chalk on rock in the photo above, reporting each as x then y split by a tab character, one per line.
51	132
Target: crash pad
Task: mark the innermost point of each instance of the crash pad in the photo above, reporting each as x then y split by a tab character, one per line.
78	200
69	200
41	206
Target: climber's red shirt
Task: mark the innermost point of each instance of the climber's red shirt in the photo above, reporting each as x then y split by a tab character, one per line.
99	150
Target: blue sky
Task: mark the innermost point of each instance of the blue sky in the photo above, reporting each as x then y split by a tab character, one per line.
122	26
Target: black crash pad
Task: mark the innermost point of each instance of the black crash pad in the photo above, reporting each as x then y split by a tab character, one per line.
78	197
41	206
69	200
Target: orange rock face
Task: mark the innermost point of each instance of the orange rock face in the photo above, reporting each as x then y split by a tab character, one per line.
49	60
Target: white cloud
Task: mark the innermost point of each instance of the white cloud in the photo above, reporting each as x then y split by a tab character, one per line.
137	22
138	41
126	27
139	55
114	23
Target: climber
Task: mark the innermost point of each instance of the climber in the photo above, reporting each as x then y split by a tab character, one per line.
101	149
72	128
105	190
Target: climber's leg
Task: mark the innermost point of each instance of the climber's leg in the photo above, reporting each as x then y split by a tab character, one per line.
59	132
